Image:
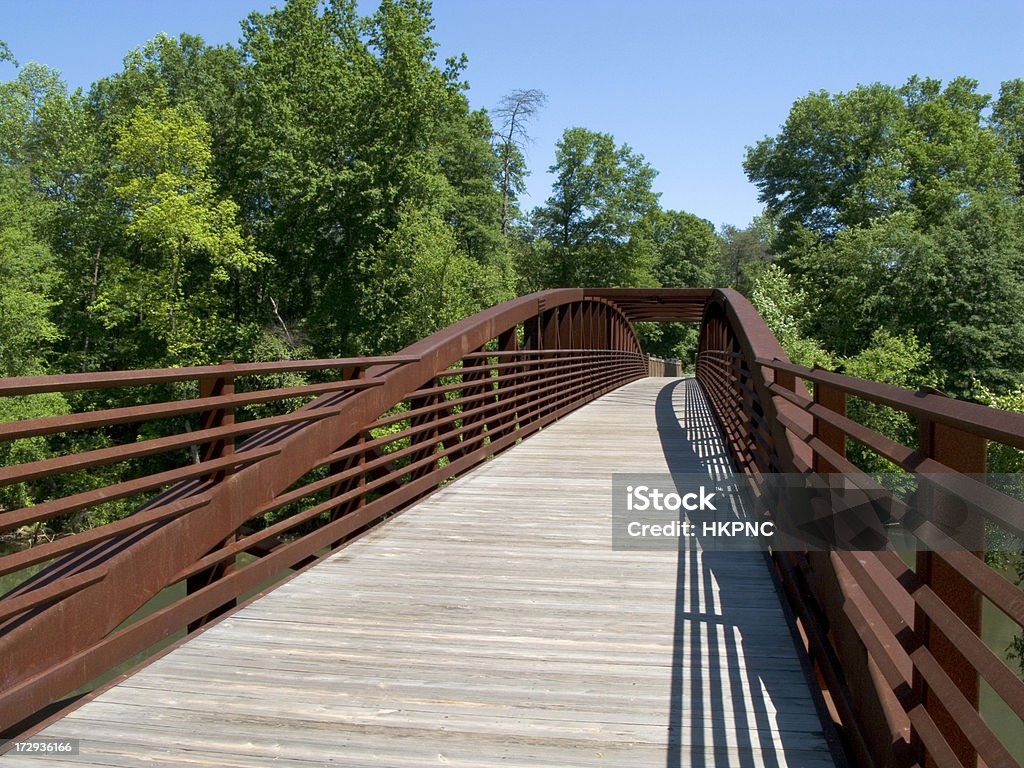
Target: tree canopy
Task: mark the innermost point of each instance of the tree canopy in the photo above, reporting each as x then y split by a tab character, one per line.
601	195
899	208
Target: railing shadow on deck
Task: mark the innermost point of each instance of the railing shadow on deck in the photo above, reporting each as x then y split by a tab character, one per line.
729	703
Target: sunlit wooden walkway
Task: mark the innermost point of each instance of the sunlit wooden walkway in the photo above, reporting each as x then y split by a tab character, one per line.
492	624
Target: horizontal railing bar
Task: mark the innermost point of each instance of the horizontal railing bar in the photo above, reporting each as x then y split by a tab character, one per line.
70	382
85	499
563	373
993	504
993	424
897	453
564	364
1004	594
48	425
23	559
114	454
505	363
588	353
1002	679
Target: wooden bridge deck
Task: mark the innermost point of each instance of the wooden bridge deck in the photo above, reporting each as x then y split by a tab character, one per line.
492	624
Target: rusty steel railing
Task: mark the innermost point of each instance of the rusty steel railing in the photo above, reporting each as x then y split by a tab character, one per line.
245	478
222	516
661	366
898	649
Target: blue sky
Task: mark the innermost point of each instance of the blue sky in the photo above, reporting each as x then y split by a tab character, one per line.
687	84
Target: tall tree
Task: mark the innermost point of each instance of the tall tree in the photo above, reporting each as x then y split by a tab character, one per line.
898	208
349	133
1008	122
513	113
844	160
687	250
601	196
169	294
28	274
743	253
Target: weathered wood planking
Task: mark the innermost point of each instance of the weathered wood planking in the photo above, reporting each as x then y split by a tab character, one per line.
492	624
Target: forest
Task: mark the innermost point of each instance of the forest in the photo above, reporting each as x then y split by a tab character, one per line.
323	188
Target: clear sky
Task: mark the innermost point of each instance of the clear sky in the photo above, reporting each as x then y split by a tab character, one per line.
689	84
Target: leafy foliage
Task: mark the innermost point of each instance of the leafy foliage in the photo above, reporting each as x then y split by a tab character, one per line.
185	242
601	197
898	208
787	311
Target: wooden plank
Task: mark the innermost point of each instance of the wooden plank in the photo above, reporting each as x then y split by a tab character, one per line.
494	624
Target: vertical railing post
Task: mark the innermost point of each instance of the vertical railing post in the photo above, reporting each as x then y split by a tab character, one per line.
834	400
746	406
963	452
426	440
550	329
355	461
476	416
361	457
219	385
507	411
550	343
533	341
565	327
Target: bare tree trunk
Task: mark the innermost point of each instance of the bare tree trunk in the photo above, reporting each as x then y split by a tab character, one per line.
514	111
287	334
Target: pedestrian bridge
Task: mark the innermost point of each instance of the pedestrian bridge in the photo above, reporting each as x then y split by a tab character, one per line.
408	561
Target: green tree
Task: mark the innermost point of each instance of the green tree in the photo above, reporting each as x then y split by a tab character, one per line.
898	209
844	160
347	133
28	274
28	265
743	253
1008	123
600	198
898	360
169	295
787	311
688	251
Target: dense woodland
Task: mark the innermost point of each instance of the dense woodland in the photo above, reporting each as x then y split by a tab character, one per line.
324	188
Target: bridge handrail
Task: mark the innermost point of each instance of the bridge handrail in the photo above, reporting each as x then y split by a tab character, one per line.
346	453
899	648
991	423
